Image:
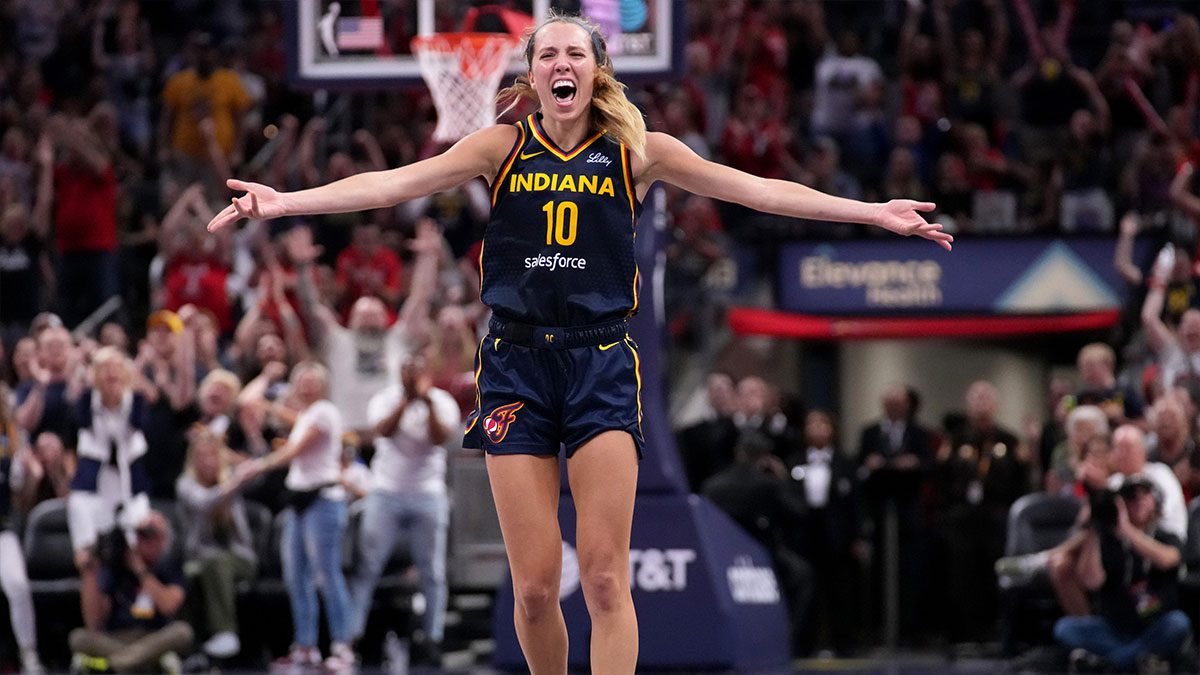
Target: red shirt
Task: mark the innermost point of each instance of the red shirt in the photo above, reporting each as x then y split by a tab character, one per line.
85	209
201	282
360	273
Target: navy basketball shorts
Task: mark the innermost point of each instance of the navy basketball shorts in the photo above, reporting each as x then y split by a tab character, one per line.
531	399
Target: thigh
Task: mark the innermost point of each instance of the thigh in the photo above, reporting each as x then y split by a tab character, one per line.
603	393
516	410
603	477
526	489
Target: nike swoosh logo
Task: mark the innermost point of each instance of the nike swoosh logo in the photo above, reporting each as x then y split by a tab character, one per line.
605	347
535	154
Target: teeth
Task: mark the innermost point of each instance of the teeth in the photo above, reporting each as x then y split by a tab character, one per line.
563	83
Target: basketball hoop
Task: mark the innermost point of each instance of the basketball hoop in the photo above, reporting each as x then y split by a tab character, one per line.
462	71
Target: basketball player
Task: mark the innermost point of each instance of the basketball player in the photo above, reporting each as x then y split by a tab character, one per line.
560	277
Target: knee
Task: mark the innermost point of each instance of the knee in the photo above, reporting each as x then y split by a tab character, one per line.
1177	624
76	639
1060	567
1063	632
605	586
181	634
535	599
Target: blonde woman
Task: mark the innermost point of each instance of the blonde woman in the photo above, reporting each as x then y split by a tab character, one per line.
312	535
111	485
218	545
560	277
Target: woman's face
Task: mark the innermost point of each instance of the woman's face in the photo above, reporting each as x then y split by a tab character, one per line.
23	355
111	377
216	399
309	386
563	70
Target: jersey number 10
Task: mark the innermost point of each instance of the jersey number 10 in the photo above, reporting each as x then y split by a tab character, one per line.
561	222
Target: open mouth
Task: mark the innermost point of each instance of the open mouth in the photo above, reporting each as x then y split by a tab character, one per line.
563	91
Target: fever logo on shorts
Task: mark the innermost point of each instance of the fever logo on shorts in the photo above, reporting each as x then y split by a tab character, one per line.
496	424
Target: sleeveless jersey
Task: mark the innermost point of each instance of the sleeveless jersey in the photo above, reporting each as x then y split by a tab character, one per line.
558	249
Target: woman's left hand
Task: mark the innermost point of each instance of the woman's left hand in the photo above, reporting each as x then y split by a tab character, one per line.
901	216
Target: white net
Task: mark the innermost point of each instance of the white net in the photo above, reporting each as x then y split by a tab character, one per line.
463	71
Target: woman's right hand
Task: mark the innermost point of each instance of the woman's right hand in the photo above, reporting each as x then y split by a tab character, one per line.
261	202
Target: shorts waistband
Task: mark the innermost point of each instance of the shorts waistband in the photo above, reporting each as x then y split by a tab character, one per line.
557	337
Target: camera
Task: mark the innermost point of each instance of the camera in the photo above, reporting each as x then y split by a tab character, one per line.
111	548
1103	503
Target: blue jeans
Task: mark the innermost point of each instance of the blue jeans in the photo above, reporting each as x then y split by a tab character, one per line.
1164	637
423	519
312	558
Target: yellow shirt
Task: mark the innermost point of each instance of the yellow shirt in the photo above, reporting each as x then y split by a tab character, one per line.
192	98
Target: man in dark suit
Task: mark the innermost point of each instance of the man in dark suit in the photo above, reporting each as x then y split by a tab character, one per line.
895	455
830	537
755	492
706	447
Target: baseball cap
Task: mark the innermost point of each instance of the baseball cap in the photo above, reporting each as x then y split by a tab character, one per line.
1141	481
165	317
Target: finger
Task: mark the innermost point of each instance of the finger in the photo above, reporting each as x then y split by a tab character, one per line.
924	206
241	185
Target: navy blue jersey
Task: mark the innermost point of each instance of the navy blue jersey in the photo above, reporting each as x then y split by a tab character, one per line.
558	250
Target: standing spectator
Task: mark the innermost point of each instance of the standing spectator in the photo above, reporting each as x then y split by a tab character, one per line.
313	531
166	358
1084	423
895	455
830	535
14	579
707	447
368	268
1098	386
413	420
1170	443
1177	351
365	356
110	486
26	275
83	187
130	604
848	103
46	402
984	469
42	472
122	51
201	92
218	546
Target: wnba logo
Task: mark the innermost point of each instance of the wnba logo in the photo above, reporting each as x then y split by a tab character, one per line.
496	424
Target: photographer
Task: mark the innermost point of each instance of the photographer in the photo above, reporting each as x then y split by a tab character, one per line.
1133	575
131	596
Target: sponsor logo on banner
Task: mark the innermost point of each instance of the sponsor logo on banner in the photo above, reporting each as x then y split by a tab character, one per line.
655	569
751	585
650	569
885	283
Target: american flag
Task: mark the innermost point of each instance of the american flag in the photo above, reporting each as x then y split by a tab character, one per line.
360	32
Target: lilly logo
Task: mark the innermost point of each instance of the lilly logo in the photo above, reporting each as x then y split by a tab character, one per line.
599	158
496	424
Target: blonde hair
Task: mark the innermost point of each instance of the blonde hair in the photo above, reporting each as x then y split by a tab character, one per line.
612	111
201	435
220	376
113	355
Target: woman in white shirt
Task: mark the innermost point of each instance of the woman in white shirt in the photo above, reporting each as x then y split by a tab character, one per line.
312	536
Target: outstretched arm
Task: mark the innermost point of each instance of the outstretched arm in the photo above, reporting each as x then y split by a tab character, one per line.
669	160
479	154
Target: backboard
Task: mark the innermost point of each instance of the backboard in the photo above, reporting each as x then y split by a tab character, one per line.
340	44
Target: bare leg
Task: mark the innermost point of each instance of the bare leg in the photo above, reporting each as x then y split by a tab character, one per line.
526	489
1063	567
603	476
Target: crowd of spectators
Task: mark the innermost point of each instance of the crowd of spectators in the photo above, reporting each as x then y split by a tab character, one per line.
145	360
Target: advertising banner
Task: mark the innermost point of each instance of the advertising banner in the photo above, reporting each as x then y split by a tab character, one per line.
705	593
981	276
